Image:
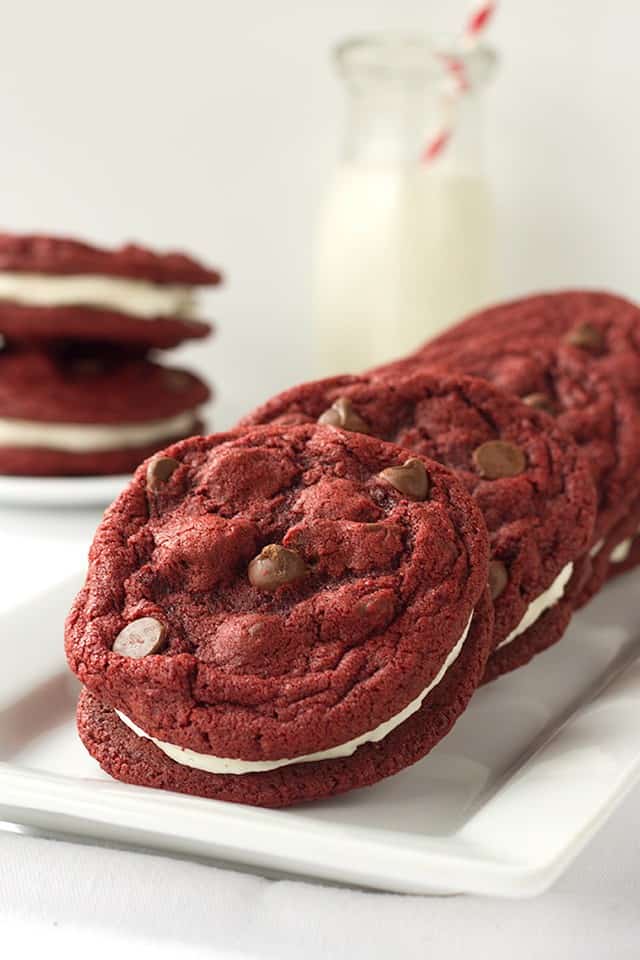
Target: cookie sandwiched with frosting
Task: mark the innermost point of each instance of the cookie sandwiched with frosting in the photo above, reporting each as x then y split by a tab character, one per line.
593	329
526	474
75	410
603	419
54	288
576	354
280	614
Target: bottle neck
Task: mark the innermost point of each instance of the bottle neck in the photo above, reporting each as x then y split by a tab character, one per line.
391	130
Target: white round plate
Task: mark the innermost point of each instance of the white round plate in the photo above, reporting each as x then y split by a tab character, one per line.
61	491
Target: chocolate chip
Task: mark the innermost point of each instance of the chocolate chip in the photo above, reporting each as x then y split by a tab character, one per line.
540	401
497	458
342	414
410	479
160	469
586	337
276	566
140	638
498	578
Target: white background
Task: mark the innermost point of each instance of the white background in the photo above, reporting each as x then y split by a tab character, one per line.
214	125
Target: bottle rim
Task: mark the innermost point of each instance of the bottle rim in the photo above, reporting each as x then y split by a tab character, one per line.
411	58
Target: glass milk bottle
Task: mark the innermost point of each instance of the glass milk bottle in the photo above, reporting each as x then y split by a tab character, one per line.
405	243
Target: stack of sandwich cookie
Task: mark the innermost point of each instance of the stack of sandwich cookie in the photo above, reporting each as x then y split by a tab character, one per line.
525	473
280	614
78	394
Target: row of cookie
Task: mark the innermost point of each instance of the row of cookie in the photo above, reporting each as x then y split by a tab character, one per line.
78	392
306	605
298	608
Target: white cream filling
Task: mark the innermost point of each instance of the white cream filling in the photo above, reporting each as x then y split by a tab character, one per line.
620	553
537	607
137	297
93	438
596	548
210	764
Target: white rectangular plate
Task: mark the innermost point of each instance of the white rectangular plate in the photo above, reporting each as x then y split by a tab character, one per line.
501	807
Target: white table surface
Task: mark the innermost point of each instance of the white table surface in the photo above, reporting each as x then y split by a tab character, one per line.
61	898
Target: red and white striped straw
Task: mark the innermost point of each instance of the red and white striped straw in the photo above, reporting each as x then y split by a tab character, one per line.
476	24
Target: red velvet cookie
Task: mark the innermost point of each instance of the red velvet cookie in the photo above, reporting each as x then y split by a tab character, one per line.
602	418
259	598
524	472
41	325
56	288
599	329
594	329
37	253
74	411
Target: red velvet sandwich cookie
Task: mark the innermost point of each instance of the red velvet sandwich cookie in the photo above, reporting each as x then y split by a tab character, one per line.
280	614
524	472
74	411
590	330
602	417
54	288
